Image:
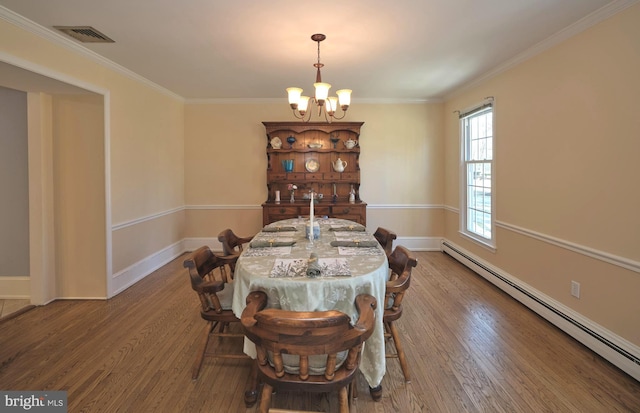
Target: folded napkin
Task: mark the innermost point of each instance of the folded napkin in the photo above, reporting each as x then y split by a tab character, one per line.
355	243
278	229
313	266
270	243
348	228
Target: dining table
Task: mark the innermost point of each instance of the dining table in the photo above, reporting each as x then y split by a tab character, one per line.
277	261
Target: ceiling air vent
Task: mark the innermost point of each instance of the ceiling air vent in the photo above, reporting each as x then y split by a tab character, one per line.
85	34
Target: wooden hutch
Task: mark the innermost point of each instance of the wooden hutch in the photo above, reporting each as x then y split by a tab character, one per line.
316	149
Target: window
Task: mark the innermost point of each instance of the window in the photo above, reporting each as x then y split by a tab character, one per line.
477	178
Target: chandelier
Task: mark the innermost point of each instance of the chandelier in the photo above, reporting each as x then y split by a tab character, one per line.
300	103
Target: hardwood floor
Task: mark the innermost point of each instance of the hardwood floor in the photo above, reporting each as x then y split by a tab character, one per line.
470	348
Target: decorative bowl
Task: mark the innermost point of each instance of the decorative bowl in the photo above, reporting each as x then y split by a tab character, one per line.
315	145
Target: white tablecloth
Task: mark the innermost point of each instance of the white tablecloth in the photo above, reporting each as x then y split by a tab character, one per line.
368	269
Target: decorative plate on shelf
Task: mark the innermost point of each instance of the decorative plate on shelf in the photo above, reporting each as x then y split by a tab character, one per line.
312	165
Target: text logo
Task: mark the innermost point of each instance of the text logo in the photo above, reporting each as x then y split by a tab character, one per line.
33	401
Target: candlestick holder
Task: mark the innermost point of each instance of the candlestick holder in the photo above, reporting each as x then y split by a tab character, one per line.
312	234
316	230
310	245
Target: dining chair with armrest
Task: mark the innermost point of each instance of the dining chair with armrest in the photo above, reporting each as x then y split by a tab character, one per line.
315	351
401	262
232	246
215	302
385	237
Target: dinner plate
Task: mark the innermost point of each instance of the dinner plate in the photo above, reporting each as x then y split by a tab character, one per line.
312	165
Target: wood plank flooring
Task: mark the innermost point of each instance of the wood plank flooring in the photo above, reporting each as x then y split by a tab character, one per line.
470	347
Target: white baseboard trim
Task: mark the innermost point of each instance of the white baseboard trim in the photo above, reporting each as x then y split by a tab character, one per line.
134	273
15	288
620	352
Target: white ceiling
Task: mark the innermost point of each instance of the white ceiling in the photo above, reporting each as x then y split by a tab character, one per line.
254	49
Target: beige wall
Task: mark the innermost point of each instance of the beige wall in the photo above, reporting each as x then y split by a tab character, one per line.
401	165
143	131
147	172
147	151
79	202
566	171
41	199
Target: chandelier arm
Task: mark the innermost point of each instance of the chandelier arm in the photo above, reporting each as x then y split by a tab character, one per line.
344	113
327	118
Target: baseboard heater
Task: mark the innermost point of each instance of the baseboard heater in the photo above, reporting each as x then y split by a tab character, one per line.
453	251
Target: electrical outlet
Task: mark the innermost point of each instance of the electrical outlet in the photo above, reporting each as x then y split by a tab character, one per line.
575	289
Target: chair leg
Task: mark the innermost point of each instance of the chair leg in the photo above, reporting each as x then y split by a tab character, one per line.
251	394
354	387
223	327
201	350
265	399
343	399
400	350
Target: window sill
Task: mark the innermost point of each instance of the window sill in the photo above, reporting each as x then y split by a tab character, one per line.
482	243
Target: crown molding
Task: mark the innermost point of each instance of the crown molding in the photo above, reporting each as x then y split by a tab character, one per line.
59	39
581	25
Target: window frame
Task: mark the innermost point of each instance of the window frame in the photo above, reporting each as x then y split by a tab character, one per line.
465	143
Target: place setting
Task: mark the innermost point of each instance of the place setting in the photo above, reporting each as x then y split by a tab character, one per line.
279	228
270	244
355	243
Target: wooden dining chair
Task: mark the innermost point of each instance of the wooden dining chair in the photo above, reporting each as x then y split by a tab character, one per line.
401	262
385	237
232	246
315	351
215	297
